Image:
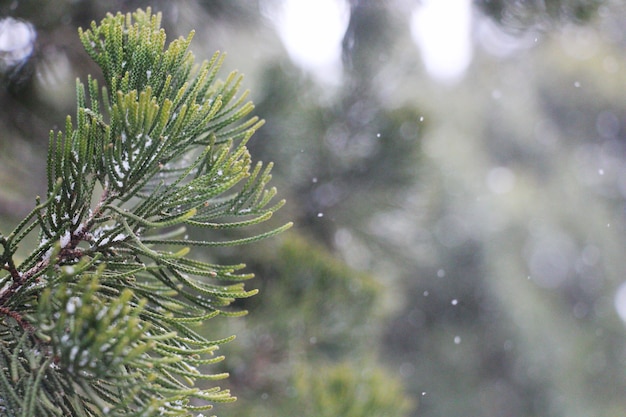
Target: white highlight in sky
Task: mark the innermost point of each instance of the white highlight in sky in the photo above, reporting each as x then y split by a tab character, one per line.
17	41
312	32
441	29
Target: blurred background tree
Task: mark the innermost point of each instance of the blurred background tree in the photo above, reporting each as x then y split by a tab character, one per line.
458	195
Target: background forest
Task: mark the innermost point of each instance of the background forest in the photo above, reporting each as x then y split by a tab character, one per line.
458	247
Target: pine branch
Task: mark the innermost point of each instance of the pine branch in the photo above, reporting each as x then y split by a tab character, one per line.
98	319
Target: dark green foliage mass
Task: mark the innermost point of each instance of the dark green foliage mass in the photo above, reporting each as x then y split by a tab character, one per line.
350	391
308	349
99	317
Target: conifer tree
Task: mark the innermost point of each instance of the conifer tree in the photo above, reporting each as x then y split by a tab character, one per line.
99	295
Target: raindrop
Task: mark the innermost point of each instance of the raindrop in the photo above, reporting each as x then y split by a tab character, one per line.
426	293
378	135
441	273
320	214
454	302
314	180
457	340
601	171
577	84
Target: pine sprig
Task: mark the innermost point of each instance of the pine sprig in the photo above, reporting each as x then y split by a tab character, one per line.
98	319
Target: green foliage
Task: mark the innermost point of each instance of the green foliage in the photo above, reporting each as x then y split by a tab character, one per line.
325	329
348	390
98	318
321	298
